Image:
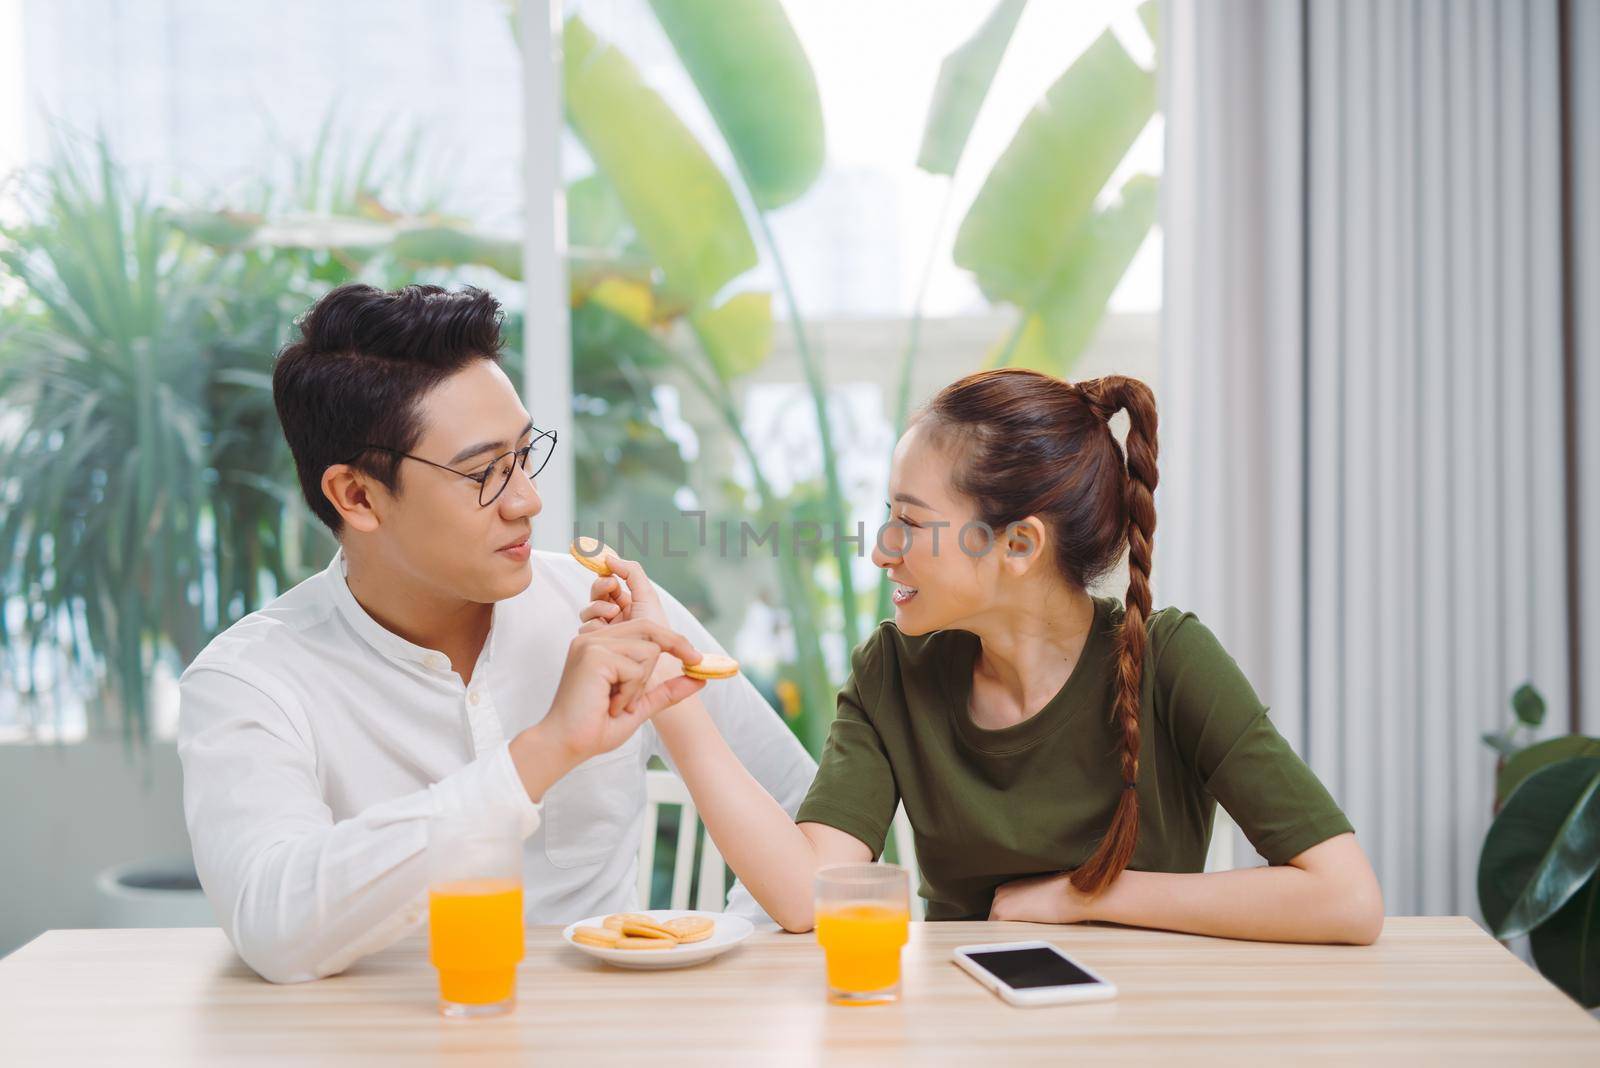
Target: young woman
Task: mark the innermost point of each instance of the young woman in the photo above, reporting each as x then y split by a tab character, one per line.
1059	756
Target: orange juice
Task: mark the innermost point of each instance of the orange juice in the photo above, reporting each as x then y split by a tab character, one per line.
475	939
862	943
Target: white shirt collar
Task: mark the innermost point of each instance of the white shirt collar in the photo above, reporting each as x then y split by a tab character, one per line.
381	638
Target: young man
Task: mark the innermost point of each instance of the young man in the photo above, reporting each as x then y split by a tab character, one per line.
434	667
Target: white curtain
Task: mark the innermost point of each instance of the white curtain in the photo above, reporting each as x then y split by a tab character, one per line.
1363	480
1583	47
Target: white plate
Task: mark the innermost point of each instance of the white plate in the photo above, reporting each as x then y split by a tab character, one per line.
730	931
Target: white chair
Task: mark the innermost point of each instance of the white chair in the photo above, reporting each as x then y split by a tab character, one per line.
1220	856
906	849
665	788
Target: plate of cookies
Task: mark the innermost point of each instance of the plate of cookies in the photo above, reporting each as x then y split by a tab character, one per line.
660	938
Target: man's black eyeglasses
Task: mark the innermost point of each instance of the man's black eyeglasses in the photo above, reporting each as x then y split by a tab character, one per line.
496	476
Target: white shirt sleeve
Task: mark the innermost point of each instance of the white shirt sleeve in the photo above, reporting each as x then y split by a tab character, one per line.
755	732
300	895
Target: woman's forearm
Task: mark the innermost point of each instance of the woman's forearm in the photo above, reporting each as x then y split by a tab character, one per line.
758	839
1274	904
1326	894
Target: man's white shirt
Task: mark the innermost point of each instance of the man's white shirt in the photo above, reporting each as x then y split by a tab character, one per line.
316	745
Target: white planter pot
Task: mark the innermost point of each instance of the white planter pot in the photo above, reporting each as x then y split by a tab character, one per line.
152	893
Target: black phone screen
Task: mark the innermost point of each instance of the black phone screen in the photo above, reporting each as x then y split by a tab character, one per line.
1031	967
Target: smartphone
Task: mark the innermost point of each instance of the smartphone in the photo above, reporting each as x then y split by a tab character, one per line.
1032	973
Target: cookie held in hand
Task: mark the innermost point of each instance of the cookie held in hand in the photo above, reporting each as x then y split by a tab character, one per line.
713	666
593	554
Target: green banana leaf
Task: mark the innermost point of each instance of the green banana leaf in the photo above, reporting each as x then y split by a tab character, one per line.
1525	762
1542	847
1150	15
1045	182
753	75
1070	304
596	218
679	203
1567	945
737	335
964	80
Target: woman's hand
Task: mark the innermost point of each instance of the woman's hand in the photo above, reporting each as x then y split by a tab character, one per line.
1041	899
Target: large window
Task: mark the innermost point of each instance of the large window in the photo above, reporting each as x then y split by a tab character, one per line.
806	220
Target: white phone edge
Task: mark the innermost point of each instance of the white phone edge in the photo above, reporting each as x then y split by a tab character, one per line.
1101	989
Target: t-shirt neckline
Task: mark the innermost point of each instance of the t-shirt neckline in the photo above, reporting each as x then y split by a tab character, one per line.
1056	713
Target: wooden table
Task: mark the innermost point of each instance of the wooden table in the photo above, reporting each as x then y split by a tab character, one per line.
1430	990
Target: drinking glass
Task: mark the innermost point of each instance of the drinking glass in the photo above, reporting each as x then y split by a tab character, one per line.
863	916
475	934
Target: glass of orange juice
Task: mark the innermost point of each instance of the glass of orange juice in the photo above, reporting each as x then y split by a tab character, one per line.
475	931
863	922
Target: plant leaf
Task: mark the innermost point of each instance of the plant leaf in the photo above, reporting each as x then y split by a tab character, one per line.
737	334
629	299
318	232
449	246
1521	763
678	202
1150	15
1528	704
1542	847
1499	743
1072	301
595	217
756	81
1045	182
1567	945
964	80
220	229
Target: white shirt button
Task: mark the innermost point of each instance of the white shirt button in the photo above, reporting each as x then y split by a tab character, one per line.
472	698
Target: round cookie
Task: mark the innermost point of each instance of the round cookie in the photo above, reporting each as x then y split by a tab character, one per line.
593	554
691	928
713	666
630	942
602	937
645	928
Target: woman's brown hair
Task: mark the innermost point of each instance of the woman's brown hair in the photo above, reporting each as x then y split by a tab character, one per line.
1028	444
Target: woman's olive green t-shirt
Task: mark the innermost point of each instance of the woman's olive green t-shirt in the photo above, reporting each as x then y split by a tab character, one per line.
989	806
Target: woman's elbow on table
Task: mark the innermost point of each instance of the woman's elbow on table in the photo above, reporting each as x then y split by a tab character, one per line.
1340	901
1362	922
796	922
1357	910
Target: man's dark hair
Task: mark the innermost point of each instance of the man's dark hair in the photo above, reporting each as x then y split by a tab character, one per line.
363	362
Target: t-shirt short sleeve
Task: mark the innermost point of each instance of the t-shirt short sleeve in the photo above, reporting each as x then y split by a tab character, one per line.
1222	728
854	790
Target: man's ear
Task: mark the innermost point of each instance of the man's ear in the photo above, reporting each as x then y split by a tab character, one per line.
1023	545
351	493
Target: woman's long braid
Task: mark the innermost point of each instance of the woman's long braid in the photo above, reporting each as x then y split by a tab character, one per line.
1106	396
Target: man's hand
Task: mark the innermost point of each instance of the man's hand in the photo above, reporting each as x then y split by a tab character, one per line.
625	594
604	695
622	596
1040	899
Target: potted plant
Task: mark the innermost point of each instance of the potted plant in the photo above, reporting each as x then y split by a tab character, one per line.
1537	873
